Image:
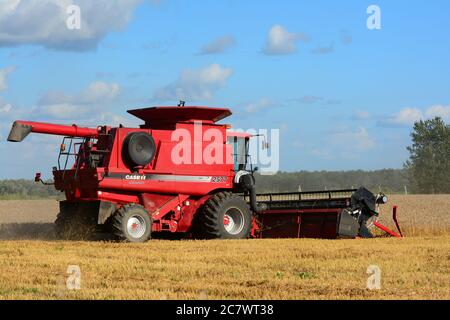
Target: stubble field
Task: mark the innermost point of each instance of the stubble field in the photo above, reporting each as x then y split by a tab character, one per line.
33	265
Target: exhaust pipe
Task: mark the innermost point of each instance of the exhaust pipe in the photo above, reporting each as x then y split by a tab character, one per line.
253	203
247	182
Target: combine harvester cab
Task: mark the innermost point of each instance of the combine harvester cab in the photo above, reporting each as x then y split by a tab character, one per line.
135	182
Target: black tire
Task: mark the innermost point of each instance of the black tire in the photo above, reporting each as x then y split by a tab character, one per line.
73	224
143	223
219	208
138	149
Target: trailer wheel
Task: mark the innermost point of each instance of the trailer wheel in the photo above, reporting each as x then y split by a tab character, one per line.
225	216
132	223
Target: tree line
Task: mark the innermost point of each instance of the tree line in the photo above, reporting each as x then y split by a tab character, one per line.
26	189
429	163
426	171
389	180
386	180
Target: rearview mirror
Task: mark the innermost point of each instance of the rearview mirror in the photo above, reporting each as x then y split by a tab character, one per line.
37	178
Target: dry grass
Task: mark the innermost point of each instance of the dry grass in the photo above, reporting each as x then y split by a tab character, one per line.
249	269
420	215
417	267
28	211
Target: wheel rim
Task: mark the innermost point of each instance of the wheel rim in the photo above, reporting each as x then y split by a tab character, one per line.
234	221
136	226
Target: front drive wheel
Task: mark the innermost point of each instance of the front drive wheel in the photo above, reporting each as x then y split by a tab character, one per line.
225	216
132	223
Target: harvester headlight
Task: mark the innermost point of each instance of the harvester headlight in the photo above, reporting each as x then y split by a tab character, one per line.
382	199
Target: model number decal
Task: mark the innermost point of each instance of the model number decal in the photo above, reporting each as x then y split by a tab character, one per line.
219	179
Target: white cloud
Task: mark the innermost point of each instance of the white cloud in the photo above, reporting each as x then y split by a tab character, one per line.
5	108
115	120
406	117
361	115
218	45
43	22
91	100
8	6
195	85
64	110
98	91
90	107
260	105
342	143
3	77
6	112
280	41
356	140
439	111
10	112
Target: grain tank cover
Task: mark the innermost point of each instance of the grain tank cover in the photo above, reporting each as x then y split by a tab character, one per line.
171	115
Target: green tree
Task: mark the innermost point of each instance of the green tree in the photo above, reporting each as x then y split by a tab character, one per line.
429	161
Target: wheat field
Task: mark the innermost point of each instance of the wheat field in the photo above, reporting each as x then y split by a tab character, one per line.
33	265
419	215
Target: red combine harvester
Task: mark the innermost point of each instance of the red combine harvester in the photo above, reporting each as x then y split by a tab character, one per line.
132	182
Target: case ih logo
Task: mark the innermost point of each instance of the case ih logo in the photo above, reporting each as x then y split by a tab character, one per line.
135	177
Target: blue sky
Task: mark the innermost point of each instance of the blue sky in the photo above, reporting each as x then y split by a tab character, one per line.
343	96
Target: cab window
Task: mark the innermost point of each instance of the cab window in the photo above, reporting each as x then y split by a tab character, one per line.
240	152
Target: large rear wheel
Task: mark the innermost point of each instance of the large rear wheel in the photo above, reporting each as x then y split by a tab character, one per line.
132	223
225	216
